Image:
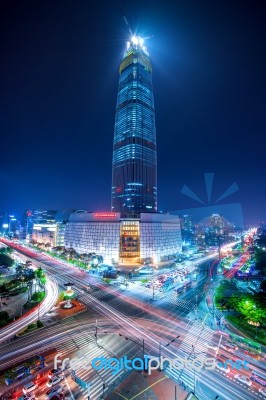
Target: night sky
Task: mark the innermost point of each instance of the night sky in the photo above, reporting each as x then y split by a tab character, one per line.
58	86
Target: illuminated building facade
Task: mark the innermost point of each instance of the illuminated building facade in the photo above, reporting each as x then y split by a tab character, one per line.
125	240
31	217
134	184
133	232
49	229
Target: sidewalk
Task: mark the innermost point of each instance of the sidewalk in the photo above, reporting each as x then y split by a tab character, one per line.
141	386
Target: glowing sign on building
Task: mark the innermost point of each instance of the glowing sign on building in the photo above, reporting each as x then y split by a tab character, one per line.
106	215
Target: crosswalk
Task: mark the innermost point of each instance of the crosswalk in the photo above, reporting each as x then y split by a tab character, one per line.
197	337
187	305
218	313
106	378
74	343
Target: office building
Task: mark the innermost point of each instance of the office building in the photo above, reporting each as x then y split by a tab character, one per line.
134	183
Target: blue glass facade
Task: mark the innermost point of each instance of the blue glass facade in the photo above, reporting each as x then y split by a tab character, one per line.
134	183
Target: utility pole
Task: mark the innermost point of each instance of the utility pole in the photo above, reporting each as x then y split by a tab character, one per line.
160	353
218	345
175	394
160	346
96	331
103	390
219	247
194	371
153	292
89	391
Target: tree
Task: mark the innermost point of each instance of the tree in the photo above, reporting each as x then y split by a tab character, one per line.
6	250
9	250
263	286
3	288
6	260
38	296
39	272
4	318
39	324
260	253
40	275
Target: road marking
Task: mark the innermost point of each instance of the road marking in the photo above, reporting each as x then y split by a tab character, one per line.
205	318
70	391
119	394
155	383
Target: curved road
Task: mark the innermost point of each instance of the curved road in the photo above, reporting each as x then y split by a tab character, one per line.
173	325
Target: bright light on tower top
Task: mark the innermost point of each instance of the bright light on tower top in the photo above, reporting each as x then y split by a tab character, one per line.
137	41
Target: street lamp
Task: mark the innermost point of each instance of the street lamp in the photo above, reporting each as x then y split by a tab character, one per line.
194	370
103	389
194	354
196	308
1	297
34	282
40	306
143	343
96	331
166	345
153	292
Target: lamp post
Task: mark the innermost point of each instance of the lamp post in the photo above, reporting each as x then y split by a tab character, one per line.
256	324
153	291
160	346
89	391
194	354
39	311
196	308
219	247
96	331
142	345
40	305
194	370
34	282
103	389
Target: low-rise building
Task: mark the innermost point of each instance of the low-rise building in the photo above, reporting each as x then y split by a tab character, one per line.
125	240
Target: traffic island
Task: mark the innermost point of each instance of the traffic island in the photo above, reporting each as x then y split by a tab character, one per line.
76	307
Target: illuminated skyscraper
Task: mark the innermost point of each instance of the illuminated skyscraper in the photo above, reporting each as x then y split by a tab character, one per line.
134	184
